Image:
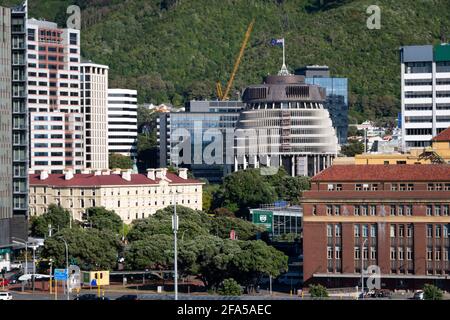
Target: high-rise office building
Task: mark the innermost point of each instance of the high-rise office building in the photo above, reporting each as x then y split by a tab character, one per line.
336	96
56	122
203	116
425	93
94	106
122	121
6	210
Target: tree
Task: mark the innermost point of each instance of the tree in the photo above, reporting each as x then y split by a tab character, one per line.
290	188
230	287
431	292
91	249
103	219
153	252
353	148
245	230
318	291
118	161
223	212
55	216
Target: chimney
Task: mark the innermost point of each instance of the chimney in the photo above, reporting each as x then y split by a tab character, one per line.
106	172
182	173
44	174
161	173
86	171
68	174
97	173
126	175
116	171
151	174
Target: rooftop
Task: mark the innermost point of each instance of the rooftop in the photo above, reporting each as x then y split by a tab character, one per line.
381	172
443	136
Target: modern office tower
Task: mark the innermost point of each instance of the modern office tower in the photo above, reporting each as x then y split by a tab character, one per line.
337	96
394	218
285	124
122	121
425	93
6	210
20	131
204	115
94	106
56	123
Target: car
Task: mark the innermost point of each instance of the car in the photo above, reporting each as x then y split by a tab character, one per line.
5	296
16	266
128	297
4	282
88	296
419	295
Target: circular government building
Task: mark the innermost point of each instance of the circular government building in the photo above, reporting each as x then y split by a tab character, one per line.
284	123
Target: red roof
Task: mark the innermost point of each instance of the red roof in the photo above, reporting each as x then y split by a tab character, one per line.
381	172
88	180
443	136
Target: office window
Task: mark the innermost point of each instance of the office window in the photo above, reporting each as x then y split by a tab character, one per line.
356	210
373	231
408	210
409	253
429	254
373	253
437	254
337	253
393	254
393	209
429	210
337	230
373	210
401	231
392	231
365	230
337	210
329	253
357	253
356	230
329	209
400	253
409	231
438	231
329	230
429	231
437	210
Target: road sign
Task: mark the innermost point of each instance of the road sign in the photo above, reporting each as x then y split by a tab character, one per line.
61	274
94	282
264	218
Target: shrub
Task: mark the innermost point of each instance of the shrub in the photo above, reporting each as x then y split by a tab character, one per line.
432	292
318	291
230	287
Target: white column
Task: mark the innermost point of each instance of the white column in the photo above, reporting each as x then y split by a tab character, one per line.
293	166
256	161
245	162
235	163
433	106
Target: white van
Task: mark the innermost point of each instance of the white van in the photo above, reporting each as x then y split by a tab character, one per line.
294	278
5	296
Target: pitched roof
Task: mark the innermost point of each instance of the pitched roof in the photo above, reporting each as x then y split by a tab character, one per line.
88	180
381	172
443	136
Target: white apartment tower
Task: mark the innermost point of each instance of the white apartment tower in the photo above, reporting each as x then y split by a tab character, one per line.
122	121
56	121
425	93
94	106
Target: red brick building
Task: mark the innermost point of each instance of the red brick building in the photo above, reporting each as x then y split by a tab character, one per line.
393	216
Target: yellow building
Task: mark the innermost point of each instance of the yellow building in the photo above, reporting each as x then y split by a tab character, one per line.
131	196
439	152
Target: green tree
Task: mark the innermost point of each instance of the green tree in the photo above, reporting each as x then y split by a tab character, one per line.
56	216
153	252
353	148
245	230
318	291
230	287
103	219
119	161
431	292
91	249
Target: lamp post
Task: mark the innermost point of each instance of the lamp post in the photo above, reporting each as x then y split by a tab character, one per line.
21	241
362	268
175	229
67	267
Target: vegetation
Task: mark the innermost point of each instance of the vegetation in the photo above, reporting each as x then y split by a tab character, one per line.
431	292
318	291
173	50
102	219
230	287
118	161
352	148
56	217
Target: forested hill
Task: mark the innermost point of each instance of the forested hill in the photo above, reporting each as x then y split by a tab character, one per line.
174	50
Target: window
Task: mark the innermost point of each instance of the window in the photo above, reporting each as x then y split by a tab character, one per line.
445	210
408	210
393	187
400	210
364	210
429	254
357	253
437	210
438	231
445	231
430	187
329	208
337	253
329	253
400	254
365	230
373	231
365	186
337	210
410	187
401	231
409	253
358	187
339	187
356	230
429	231
373	253
409	231
437	254
429	210
365	253
373	210
329	230
314	208
337	230
330	187
392	231
375	187
393	210
356	210
393	254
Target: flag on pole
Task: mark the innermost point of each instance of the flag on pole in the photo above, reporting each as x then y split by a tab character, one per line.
277	42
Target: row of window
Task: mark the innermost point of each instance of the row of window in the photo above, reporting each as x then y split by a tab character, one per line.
394	187
373	210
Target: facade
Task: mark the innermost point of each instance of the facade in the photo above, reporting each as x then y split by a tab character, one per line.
279	221
206	116
395	217
122	121
131	196
425	93
94	102
285	124
56	122
336	96
6	152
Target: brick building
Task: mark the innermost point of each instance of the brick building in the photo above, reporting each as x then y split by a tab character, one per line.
392	216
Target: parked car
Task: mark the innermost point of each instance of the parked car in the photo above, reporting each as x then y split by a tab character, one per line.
4	282
419	295
379	293
88	296
5	296
128	297
290	278
16	266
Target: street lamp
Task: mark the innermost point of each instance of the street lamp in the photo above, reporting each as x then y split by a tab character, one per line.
362	268
67	267
175	229
22	241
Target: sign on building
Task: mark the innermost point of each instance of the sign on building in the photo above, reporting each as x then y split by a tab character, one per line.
264	218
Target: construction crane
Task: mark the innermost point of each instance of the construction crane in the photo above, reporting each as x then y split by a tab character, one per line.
224	95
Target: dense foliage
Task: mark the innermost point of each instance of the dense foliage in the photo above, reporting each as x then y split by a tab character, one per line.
56	218
174	50
118	161
431	292
230	287
318	291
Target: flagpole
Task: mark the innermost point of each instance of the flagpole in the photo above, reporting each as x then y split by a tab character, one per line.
284	55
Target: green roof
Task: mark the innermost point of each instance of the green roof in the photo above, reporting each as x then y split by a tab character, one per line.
442	52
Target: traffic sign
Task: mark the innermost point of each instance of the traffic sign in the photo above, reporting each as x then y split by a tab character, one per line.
61	274
93	282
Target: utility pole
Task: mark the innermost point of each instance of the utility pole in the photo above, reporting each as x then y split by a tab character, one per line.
175	229
67	269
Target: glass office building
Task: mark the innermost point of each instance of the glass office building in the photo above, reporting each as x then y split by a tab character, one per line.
336	96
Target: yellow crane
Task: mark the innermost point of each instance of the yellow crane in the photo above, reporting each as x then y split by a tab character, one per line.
224	95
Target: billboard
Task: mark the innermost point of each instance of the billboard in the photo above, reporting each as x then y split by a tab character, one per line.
263	218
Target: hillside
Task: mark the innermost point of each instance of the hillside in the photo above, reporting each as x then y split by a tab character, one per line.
177	49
